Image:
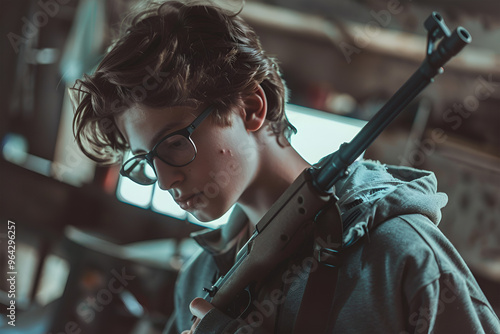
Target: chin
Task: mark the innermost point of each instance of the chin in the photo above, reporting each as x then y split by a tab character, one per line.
208	214
205	217
202	217
207	210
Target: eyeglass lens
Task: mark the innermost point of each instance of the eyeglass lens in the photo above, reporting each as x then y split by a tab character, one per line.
176	150
140	171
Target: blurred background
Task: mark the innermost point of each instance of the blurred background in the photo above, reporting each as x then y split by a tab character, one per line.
97	254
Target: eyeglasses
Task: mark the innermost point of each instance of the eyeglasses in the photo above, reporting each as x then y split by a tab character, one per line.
175	149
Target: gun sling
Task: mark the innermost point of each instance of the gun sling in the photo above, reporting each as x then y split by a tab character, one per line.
315	313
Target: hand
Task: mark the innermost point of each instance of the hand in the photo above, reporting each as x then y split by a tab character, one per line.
199	308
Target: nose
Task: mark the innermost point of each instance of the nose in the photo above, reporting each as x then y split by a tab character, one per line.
167	175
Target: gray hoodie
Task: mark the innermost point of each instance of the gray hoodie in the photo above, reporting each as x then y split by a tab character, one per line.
399	274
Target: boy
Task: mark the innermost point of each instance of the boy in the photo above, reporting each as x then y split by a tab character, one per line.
189	90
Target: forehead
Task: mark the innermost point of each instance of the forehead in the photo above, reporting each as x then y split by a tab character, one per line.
141	125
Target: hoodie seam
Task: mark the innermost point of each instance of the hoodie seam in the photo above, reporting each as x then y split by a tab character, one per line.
436	258
418	291
441	271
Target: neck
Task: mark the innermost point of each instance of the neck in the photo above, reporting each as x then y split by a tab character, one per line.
278	167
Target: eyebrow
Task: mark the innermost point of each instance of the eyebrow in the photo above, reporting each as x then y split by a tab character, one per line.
160	134
163	132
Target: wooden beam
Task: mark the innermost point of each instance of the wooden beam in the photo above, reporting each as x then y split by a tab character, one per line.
365	37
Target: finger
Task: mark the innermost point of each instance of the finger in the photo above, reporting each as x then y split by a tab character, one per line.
195	324
193	327
199	307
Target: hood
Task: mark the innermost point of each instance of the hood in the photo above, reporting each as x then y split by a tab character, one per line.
374	193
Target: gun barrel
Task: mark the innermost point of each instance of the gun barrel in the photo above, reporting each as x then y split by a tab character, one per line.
449	47
336	164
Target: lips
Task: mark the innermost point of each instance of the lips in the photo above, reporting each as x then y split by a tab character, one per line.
186	202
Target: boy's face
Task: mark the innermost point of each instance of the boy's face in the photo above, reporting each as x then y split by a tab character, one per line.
223	169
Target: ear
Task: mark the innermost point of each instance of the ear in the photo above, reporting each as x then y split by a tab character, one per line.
255	109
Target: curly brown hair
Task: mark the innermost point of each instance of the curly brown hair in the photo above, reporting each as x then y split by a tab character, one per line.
175	54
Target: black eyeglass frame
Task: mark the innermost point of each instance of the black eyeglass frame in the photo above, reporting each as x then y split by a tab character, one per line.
185	132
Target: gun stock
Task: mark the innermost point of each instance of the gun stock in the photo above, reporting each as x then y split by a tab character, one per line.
277	236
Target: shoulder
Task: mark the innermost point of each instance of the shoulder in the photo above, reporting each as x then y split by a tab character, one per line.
414	237
407	269
406	234
414	250
415	242
398	248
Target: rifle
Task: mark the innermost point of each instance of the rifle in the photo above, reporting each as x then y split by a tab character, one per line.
280	232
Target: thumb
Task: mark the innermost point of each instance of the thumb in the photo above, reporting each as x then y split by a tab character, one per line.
199	307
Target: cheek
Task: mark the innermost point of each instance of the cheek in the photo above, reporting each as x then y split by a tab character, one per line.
222	170
228	172
222	158
222	184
